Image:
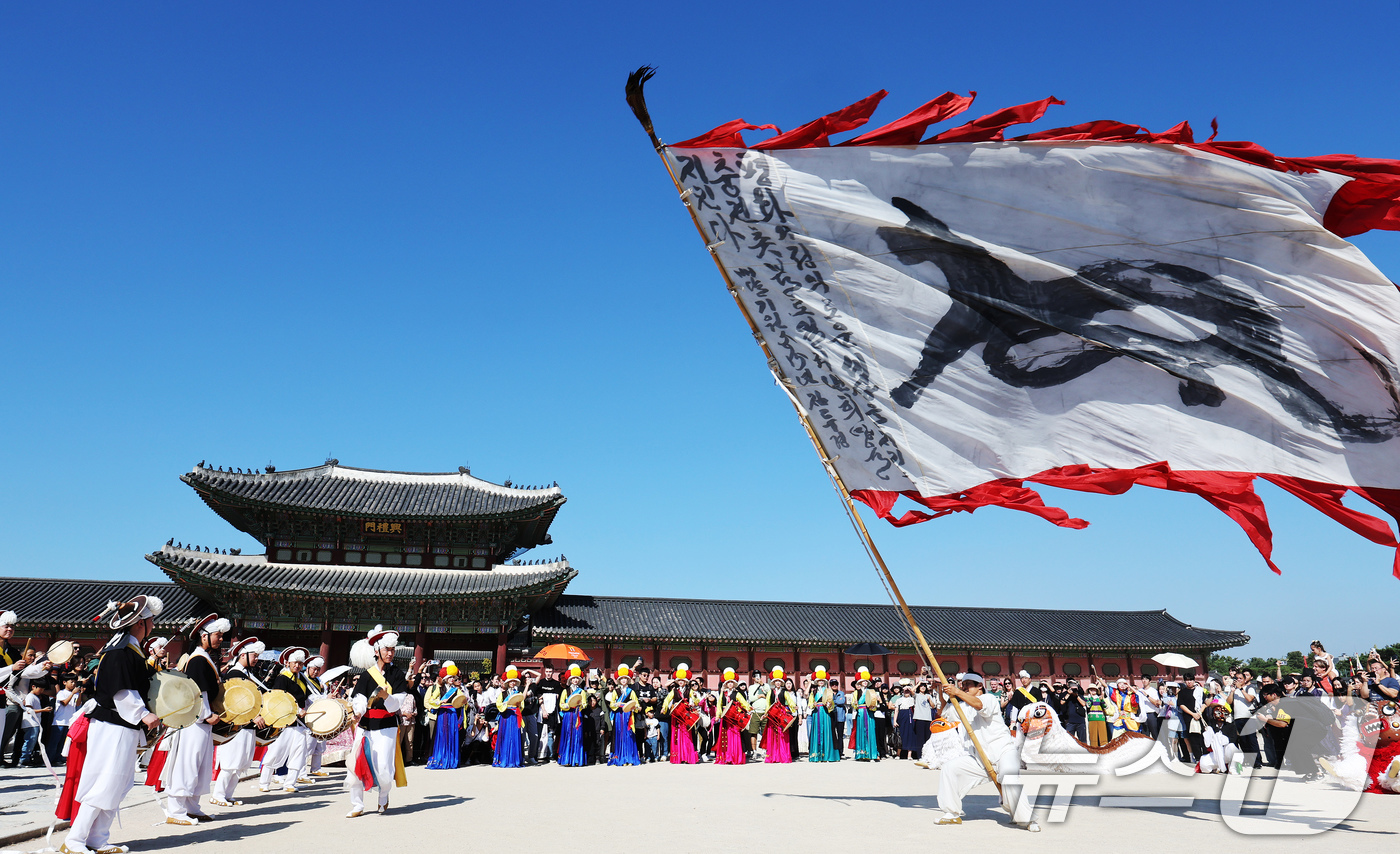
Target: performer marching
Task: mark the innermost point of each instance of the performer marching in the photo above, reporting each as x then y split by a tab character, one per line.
729	747
864	701
822	701
573	702
782	711
294	741
114	726
679	705
375	760
961	773
189	762
235	756
623	703
315	666
509	752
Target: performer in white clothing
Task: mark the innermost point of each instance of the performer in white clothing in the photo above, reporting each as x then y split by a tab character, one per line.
114	730
314	667
235	756
189	764
374	760
292	744
960	774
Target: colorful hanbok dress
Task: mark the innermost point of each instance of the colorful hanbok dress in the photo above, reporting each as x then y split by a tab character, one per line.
447	738
820	746
777	744
683	750
571	730
729	746
508	752
863	738
624	750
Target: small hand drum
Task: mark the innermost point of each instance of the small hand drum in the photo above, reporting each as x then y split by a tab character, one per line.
328	717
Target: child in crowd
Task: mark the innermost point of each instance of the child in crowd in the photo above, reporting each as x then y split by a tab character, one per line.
33	707
653	736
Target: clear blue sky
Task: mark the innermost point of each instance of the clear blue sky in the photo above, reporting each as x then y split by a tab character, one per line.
413	236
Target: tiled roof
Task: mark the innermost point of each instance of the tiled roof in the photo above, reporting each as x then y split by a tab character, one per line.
72	603
333	488
254	572
625	619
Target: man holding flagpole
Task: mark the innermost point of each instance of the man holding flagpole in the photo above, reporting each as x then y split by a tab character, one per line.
959	775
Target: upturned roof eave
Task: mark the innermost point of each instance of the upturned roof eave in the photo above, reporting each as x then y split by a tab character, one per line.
217	498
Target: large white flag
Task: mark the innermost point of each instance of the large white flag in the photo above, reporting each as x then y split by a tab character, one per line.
1091	307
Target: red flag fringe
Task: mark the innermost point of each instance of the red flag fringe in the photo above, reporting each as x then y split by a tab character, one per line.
1370	200
1230	492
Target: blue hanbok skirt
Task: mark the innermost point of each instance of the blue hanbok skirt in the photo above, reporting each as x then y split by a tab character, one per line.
866	744
820	747
508	747
447	740
571	739
624	750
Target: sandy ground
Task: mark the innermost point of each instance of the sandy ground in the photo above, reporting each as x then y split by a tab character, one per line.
711	808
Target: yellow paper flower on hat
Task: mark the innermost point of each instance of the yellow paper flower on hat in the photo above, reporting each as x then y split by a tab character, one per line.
863	673
819	673
623	671
777	673
512	673
452	670
682	671
729	674
575	670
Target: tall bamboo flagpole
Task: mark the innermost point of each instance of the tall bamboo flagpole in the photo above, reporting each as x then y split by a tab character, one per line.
635	99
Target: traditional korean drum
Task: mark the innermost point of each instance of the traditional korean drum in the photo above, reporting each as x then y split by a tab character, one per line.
279	709
328	717
779	716
737	716
683	715
59	652
175	698
242	701
224	731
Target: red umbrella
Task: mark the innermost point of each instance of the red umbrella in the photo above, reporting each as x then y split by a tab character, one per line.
562	651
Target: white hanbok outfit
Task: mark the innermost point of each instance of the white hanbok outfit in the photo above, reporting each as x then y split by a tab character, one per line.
189	762
317	748
108	769
235	756
961	774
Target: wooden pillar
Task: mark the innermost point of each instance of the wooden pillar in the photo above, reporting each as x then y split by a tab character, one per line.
704	658
422	647
751	668
607	658
1129	674
326	637
885	666
1051	657
500	663
970	667
1090	657
1010	663
841	661
796	664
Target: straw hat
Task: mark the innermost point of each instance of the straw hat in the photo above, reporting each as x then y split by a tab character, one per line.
512	674
575	672
206	625
175	698
624	672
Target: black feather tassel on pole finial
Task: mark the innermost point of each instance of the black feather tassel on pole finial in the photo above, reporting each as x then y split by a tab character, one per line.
636	99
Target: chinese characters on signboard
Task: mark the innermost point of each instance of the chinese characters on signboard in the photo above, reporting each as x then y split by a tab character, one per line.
383	527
